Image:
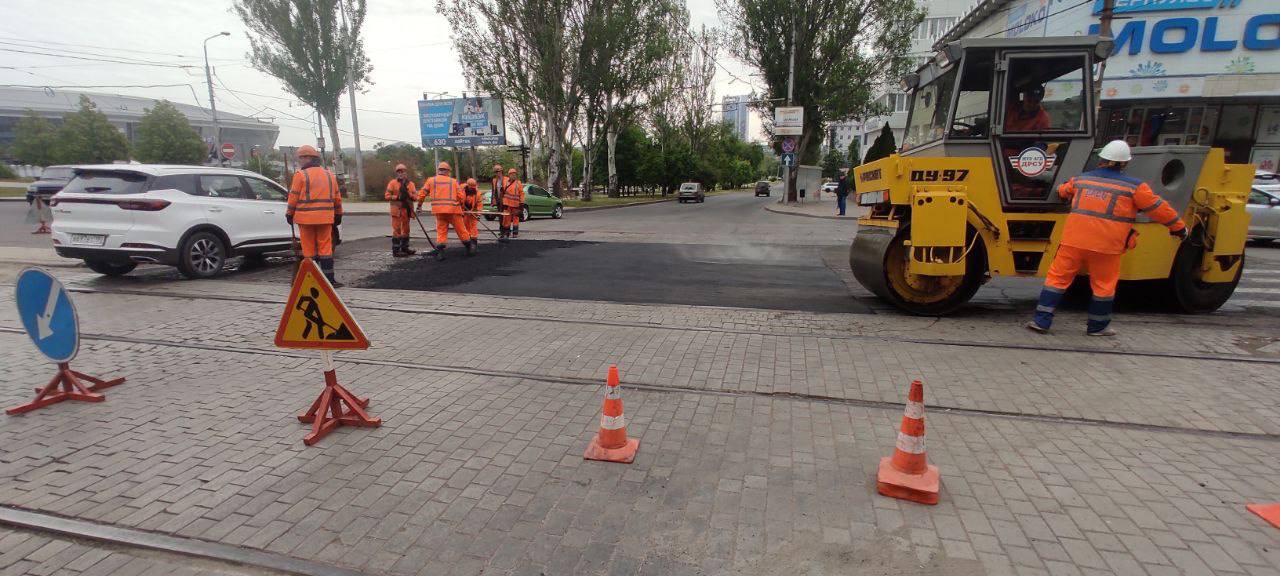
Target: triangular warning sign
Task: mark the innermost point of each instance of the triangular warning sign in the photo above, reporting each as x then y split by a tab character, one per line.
314	316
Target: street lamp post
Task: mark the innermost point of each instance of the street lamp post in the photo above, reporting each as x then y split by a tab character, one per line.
208	77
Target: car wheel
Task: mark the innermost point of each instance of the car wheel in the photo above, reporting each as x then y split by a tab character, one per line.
524	213
110	268
558	212
490	218
202	256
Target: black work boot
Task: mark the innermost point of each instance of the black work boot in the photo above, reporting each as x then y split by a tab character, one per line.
515	231
396	250
439	252
471	247
404	247
503	234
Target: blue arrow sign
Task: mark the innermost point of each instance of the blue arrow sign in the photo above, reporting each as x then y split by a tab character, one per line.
788	160
48	315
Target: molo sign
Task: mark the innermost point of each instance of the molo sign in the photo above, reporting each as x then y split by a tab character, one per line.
1163	47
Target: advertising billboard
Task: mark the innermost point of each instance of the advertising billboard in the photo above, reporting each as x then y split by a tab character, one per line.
475	121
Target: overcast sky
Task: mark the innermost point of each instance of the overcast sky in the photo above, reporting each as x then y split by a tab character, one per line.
407	42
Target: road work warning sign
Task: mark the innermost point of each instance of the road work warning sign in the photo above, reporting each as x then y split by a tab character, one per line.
314	316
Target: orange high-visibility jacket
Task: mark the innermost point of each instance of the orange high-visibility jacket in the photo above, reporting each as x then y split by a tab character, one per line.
314	196
393	195
445	193
472	202
496	185
513	194
1104	205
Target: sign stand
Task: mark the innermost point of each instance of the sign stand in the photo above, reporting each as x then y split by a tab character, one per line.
72	389
50	319
336	406
315	318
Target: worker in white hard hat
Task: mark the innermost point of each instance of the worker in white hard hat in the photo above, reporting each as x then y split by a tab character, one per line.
1104	205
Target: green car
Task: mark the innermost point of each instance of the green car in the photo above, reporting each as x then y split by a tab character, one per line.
537	202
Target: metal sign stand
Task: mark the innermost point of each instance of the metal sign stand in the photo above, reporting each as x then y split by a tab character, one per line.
336	406
72	389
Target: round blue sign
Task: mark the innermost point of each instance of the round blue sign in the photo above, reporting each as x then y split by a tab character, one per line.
47	314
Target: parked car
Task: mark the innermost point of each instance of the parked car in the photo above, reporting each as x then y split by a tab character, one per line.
193	217
763	188
51	180
1264	214
830	187
691	191
537	202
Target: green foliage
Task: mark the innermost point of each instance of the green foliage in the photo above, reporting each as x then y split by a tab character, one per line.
262	165
6	172
166	137
86	137
34	140
832	162
883	146
854	153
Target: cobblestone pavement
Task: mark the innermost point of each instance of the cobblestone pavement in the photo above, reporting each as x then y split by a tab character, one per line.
24	552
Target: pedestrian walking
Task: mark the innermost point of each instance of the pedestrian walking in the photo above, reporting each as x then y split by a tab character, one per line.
472	204
401	193
512	201
842	190
39	213
446	205
1104	205
315	205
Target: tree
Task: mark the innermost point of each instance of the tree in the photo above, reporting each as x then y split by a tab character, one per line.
883	146
304	45
844	50
526	52
34	140
855	157
261	163
87	137
832	163
166	137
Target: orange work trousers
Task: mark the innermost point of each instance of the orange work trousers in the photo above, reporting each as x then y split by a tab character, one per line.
317	240
511	216
1103	269
458	221
400	224
473	224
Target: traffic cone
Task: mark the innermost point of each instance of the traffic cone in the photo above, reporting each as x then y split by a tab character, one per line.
1268	512
908	475
612	444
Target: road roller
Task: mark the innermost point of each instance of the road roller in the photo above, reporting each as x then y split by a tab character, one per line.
995	125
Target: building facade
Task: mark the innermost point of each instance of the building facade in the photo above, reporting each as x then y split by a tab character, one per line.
941	16
1199	72
840	134
736	110
125	112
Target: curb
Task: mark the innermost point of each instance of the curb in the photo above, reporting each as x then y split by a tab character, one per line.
594	208
768	208
13	198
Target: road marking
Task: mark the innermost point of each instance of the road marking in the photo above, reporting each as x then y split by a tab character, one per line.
1256	303
1256	272
1257	291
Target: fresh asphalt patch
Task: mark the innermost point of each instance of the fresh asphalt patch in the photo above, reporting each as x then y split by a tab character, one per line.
748	276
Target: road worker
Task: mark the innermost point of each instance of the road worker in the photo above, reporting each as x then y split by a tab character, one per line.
1028	115
315	205
446	205
495	188
512	200
1098	231
472	204
402	193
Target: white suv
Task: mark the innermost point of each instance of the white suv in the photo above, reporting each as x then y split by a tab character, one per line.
194	217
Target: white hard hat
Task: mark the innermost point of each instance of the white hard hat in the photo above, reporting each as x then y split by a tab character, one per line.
1116	151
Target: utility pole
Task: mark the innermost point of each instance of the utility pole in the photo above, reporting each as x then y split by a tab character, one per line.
790	195
351	91
1104	30
208	77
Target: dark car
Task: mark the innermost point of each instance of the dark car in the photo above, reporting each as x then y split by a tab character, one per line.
763	188
51	181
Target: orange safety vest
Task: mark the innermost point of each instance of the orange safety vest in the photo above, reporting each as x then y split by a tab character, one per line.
314	197
513	194
445	193
1104	206
496	185
393	195
472	202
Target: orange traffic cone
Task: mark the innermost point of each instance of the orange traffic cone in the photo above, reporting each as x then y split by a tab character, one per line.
908	475
612	444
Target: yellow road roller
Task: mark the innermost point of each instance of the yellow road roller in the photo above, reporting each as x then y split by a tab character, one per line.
995	126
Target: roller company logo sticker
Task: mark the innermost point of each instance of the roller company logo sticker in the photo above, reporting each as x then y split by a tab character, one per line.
1032	162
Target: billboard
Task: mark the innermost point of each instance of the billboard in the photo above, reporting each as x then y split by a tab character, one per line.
475	121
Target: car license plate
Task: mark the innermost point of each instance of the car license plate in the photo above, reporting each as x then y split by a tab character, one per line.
89	239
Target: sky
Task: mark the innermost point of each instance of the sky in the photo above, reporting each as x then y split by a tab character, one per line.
406	40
